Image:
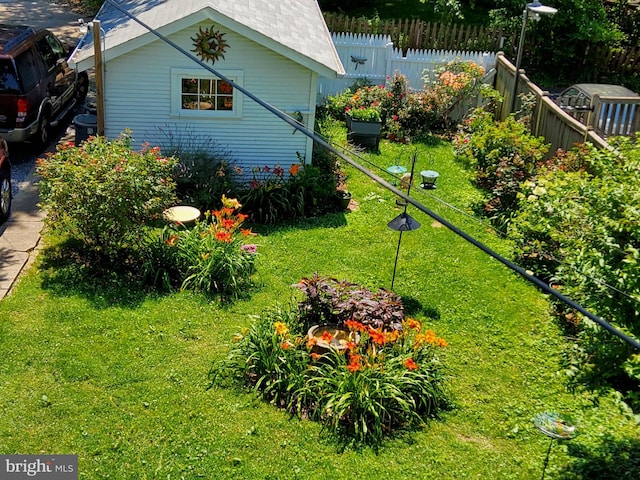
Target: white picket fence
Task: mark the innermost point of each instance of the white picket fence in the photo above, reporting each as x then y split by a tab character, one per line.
375	58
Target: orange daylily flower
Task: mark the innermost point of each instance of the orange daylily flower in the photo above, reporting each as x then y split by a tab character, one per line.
228	223
355	326
376	336
351	345
294	169
413	324
410	364
172	240
225	237
391	336
327	336
354	363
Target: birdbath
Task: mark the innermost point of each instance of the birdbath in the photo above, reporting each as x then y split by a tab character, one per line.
181	214
556	427
429	178
396	170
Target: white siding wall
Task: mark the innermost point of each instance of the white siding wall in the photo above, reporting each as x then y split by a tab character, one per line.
138	97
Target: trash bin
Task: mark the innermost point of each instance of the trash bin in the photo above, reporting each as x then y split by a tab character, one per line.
86	125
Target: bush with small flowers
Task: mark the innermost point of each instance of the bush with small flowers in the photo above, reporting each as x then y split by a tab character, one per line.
104	194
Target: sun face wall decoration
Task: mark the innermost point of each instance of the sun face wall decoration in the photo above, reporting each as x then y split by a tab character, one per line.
210	44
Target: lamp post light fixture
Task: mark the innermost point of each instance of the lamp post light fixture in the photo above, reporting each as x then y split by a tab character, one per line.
533	10
429	178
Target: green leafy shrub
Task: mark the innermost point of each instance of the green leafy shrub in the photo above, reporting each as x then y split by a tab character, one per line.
603	456
454	81
272	196
275	195
577	226
378	381
337	104
384	382
503	154
104	194
209	257
421	112
91	6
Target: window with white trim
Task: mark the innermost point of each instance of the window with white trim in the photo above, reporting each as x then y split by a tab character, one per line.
200	94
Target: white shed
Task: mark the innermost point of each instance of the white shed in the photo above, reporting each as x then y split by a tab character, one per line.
275	50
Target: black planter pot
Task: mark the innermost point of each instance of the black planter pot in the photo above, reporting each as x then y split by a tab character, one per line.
342	199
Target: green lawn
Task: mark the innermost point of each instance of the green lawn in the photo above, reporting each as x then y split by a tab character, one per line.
119	376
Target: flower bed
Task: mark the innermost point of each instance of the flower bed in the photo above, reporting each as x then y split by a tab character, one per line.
384	377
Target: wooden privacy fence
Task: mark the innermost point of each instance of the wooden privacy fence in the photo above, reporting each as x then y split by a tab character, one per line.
604	61
547	120
417	34
375	58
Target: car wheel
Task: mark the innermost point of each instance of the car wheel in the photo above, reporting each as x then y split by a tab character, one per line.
44	128
5	195
82	88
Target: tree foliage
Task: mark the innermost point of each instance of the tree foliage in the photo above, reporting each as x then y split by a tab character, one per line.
555	46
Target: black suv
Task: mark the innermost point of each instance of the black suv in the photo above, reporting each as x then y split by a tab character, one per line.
37	86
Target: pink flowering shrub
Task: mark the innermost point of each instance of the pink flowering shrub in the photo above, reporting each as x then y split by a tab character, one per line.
404	111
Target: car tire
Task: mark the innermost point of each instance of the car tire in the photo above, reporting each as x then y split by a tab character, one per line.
5	195
82	88
43	134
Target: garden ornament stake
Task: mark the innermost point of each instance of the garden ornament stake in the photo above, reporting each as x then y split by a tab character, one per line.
404	222
532	10
358	60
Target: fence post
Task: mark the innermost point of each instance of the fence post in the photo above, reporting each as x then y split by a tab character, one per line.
390	50
594	114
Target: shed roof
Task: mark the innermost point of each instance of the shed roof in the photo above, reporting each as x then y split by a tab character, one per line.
293	28
605	90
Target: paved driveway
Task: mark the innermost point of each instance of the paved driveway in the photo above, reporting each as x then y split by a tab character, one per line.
20	235
54	16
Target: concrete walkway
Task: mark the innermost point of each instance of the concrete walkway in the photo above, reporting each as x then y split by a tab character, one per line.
20	234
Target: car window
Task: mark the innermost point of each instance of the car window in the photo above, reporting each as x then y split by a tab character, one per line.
8	78
47	53
56	46
27	69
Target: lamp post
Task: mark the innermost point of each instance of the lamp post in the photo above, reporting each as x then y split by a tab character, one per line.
532	10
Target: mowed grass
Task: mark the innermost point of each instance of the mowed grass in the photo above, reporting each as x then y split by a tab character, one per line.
119	376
